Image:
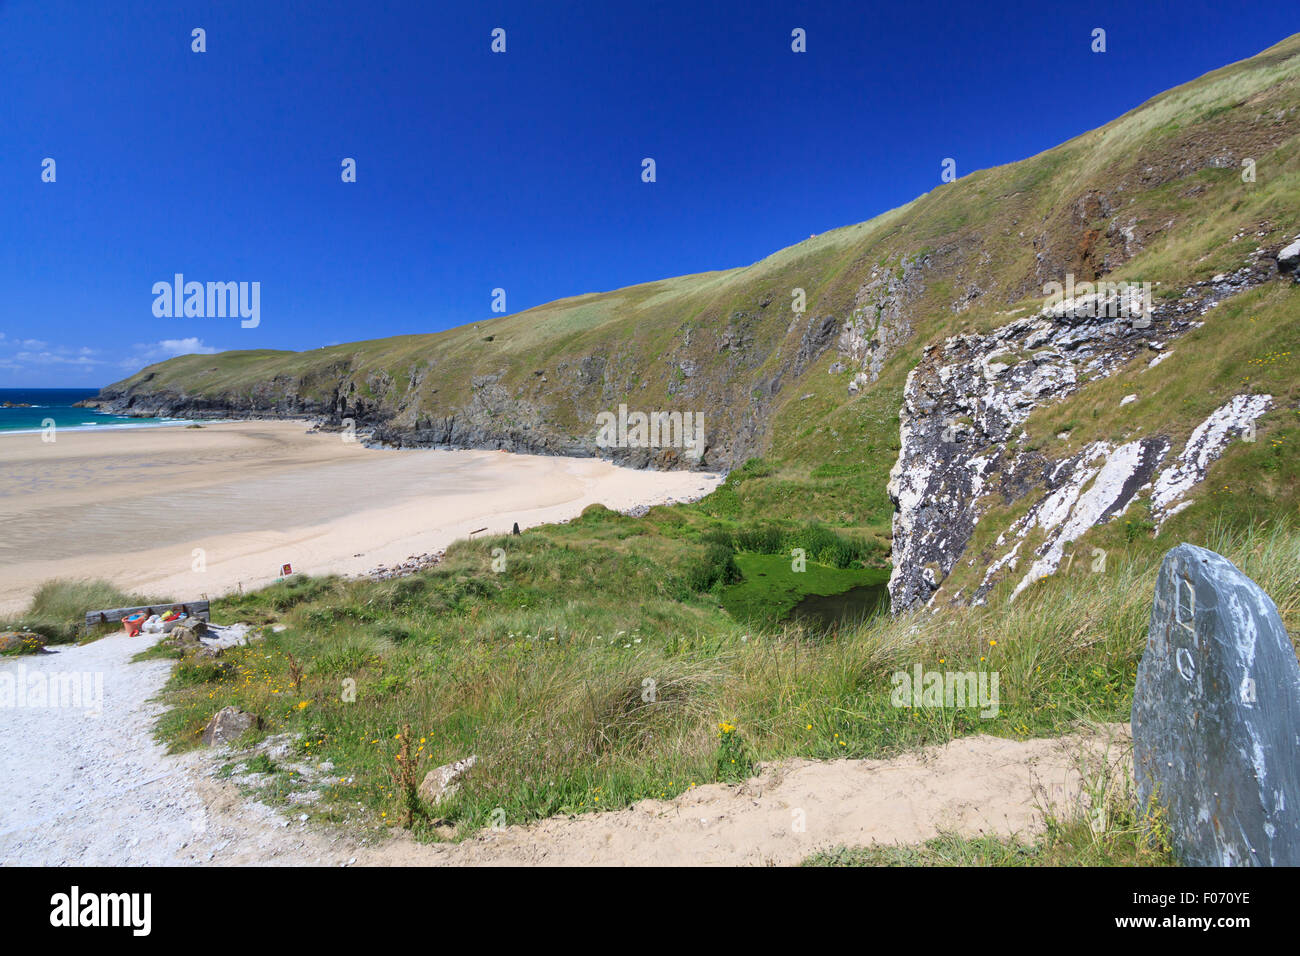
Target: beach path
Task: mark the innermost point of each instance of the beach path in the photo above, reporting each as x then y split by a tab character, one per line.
89	786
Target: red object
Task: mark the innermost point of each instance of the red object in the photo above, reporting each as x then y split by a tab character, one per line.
133	623
286	570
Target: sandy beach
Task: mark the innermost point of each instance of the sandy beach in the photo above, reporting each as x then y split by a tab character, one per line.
140	507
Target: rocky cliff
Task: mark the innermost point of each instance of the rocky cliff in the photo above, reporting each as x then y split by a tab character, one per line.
963	445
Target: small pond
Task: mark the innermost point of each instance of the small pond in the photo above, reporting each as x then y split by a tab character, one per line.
848	607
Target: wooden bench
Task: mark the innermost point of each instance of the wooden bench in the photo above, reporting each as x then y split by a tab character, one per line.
198	609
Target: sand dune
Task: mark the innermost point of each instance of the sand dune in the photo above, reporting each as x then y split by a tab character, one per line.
140	507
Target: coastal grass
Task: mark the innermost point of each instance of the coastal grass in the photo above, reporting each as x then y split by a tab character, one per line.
58	609
599	668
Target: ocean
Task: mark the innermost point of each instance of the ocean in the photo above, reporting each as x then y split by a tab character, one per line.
56	404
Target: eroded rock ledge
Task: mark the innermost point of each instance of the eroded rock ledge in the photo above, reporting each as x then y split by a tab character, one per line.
963	447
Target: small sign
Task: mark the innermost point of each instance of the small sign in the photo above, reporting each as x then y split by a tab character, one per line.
286	570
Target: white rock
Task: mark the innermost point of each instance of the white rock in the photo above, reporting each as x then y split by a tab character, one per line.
1070	513
1204	446
444	781
1158	359
1288	257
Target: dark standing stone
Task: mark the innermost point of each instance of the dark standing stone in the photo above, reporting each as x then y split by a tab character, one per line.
1216	716
516	528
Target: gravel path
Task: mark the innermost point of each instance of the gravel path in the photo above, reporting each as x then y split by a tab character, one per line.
87	785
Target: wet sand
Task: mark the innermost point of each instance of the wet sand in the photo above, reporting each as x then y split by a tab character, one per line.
141	507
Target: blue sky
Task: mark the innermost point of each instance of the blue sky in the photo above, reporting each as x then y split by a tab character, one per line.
519	170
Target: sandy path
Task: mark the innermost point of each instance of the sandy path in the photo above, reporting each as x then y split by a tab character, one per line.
82	789
181	512
972	786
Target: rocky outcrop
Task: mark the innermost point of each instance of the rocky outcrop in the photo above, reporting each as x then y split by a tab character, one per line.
880	321
1111	477
962	441
1216	714
228	724
1205	445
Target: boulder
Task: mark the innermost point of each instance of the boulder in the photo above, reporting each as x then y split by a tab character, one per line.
442	782
21	642
1288	258
1216	716
188	631
186	640
227	724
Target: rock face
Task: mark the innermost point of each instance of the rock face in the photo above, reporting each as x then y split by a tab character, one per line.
1216	716
227	724
1203	447
879	322
961	437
